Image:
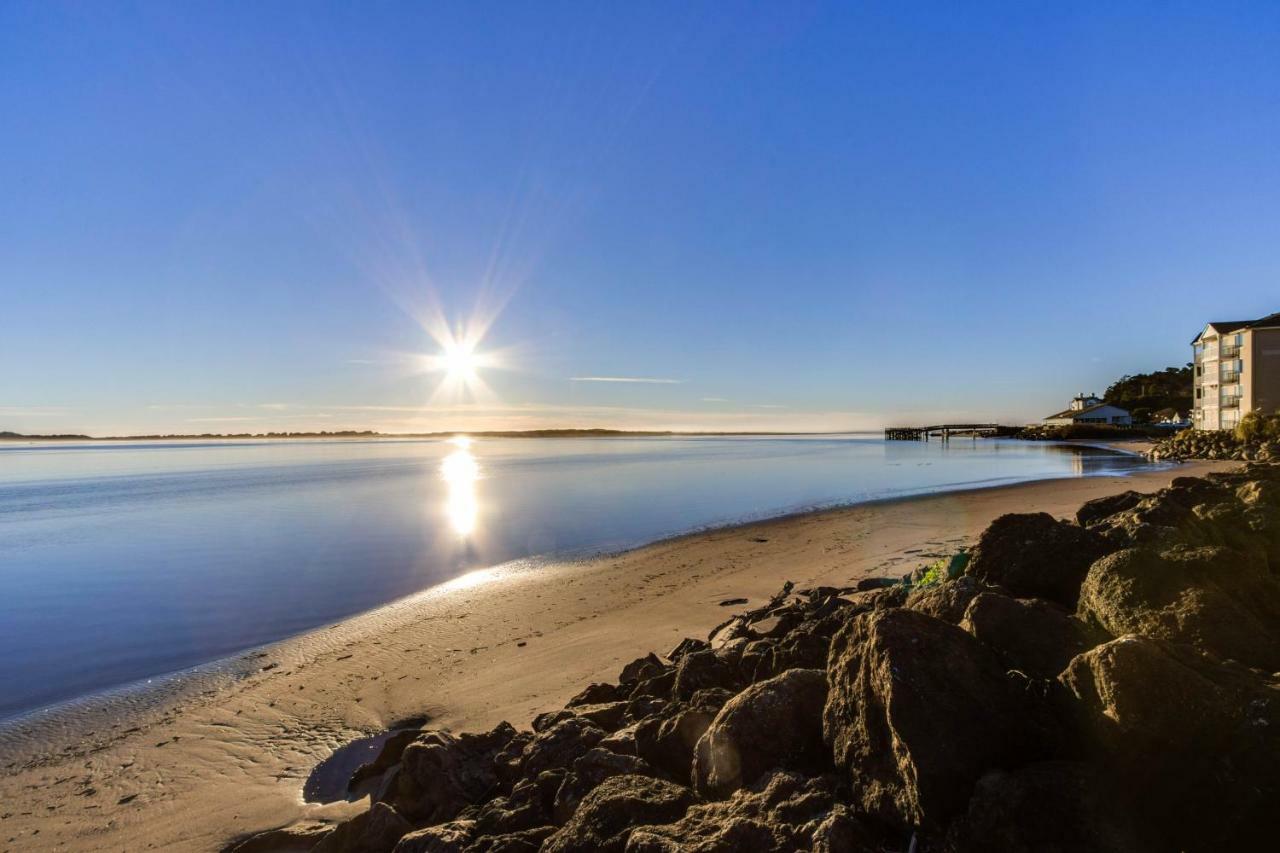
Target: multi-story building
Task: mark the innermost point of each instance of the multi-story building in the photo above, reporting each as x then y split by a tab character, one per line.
1237	370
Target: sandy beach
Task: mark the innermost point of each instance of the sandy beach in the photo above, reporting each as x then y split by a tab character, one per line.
502	644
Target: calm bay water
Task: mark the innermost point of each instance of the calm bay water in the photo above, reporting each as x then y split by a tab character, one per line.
124	561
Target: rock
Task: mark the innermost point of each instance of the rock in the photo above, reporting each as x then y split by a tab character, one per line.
375	831
594	694
1102	508
547	719
698	670
299	837
776	724
917	710
1035	556
731	652
560	745
1055	805
1213	598
508	762
686	646
525	841
527	807
389	756
588	772
604	820
667	743
869	584
1031	635
439	774
608	716
1193	743
640	669
946	601
659	686
842	832
452	837
622	742
779	814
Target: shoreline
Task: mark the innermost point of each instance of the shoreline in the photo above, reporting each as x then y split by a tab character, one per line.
150	692
501	643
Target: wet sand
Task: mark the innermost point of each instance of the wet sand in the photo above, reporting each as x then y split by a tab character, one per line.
231	757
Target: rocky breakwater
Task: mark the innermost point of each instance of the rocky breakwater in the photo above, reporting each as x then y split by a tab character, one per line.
1102	684
1213	444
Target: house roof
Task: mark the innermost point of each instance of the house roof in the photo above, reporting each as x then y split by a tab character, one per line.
1075	413
1226	327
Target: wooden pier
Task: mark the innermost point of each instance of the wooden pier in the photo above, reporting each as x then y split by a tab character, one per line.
943	431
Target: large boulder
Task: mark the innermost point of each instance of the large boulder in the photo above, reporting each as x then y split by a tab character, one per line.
1098	509
917	710
700	670
604	819
947	600
667	742
375	831
452	837
1059	806
1031	635
1214	598
773	724
1035	555
1193	743
1259	493
587	774
782	812
441	773
286	839
560	745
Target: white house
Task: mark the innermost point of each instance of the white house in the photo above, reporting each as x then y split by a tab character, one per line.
1088	409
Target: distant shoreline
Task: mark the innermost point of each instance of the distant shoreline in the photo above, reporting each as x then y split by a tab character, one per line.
372	434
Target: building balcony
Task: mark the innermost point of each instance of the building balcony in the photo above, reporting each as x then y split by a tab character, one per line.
1230	403
1230	352
1230	378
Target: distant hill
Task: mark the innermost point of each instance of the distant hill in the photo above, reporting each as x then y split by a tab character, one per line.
1144	394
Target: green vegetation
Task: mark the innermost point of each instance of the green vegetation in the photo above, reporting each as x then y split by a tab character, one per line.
941	569
1258	428
1146	394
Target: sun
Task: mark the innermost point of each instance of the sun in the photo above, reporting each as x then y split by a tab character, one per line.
460	362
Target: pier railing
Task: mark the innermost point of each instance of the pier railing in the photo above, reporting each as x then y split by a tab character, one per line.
943	431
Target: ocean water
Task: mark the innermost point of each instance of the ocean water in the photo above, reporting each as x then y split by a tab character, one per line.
124	561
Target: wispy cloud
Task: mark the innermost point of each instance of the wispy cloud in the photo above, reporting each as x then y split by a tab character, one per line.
768	406
32	411
641	379
361	361
218	420
715	399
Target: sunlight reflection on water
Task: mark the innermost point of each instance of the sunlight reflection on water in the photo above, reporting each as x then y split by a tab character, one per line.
460	471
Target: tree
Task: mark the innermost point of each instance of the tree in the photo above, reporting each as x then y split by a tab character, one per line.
1144	393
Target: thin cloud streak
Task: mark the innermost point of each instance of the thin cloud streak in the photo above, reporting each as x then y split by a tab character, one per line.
639	379
32	411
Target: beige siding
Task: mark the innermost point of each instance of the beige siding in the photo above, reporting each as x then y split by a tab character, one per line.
1262	372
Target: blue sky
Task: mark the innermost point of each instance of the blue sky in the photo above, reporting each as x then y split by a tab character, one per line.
238	217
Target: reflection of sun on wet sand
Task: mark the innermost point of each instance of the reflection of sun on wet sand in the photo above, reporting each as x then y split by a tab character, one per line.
504	643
